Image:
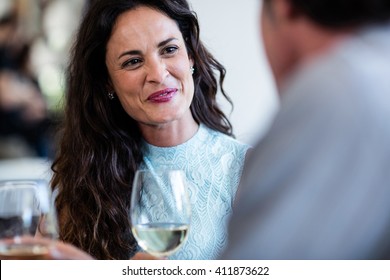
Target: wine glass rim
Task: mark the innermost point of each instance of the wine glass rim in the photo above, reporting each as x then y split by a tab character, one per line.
14	182
38	186
22	184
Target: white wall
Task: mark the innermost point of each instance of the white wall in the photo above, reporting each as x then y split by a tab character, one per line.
230	29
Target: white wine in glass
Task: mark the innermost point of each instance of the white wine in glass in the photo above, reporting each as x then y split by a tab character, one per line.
160	210
27	219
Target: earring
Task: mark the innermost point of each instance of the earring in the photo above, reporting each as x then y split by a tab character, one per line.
192	69
111	95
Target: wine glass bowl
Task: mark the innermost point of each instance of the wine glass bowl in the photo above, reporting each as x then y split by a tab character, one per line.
27	219
160	210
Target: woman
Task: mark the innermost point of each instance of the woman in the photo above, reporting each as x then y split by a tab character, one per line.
142	91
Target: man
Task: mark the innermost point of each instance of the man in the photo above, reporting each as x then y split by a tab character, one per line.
317	186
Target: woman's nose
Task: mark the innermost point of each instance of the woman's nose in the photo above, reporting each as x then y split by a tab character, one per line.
156	71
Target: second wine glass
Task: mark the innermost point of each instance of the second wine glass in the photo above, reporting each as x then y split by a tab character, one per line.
27	219
160	210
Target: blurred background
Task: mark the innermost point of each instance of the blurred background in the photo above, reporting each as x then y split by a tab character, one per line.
35	37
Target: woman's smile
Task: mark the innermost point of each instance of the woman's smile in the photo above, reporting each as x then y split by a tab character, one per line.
163	96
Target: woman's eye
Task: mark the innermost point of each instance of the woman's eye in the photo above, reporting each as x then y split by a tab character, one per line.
170	50
132	63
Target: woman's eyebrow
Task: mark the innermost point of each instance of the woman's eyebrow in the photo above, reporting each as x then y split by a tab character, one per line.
166	42
132	52
138	52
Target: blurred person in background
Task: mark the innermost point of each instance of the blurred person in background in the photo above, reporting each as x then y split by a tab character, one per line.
318	185
23	109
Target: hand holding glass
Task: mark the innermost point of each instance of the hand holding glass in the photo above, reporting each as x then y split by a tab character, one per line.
26	216
160	211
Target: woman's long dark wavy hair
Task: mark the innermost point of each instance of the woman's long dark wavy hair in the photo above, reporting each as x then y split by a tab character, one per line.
100	146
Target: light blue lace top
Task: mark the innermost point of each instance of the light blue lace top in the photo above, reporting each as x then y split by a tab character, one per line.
213	164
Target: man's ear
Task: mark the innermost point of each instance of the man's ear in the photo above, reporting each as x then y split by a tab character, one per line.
284	10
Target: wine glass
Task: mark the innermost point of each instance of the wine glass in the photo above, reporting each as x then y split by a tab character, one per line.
160	210
27	219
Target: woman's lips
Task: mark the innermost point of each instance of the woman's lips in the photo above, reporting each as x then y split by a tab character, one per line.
164	95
